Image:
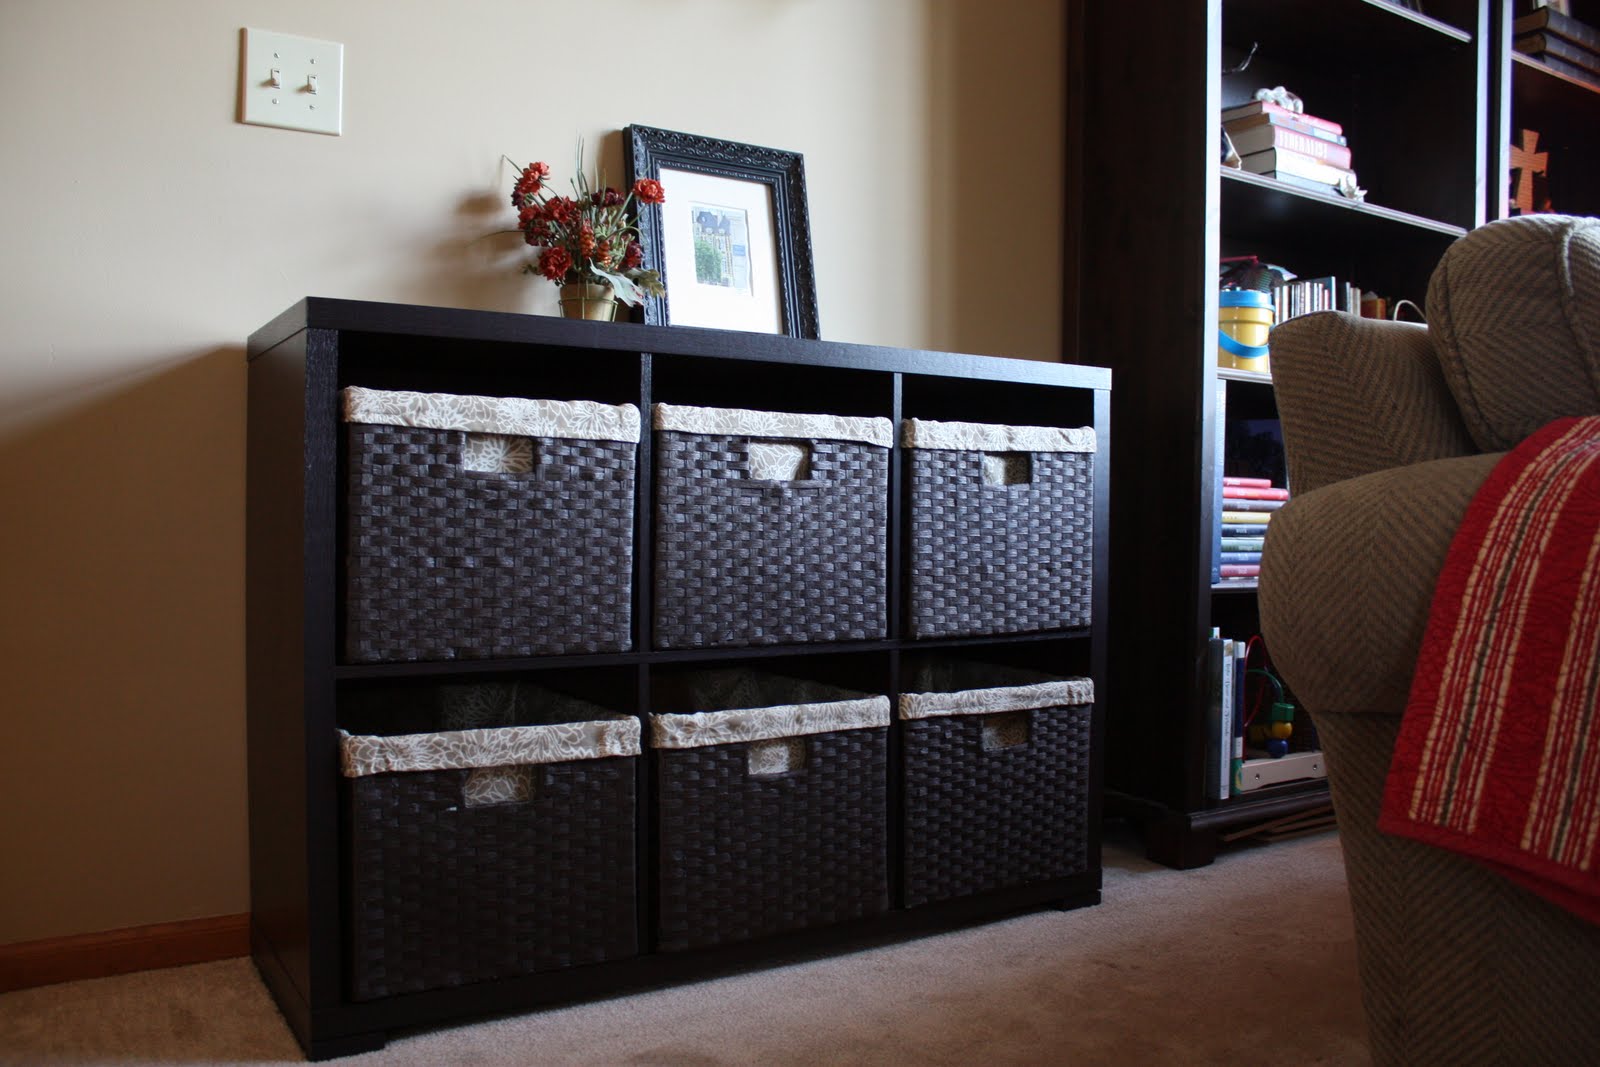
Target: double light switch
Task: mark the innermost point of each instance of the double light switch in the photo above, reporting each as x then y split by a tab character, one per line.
296	83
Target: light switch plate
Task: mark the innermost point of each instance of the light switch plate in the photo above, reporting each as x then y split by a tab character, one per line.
309	75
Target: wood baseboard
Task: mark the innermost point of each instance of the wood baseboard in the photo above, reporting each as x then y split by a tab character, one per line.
138	948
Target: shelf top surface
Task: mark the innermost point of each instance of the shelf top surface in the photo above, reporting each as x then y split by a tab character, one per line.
461	324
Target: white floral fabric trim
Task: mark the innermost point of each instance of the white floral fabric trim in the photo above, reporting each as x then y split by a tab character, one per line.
779	461
704	728
506	746
987	437
742	423
1069	691
577	420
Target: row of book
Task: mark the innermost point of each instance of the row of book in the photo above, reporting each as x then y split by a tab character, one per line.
1246	508
1560	42
1297	149
1250	724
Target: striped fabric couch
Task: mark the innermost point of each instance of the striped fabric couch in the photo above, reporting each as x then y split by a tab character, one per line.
1389	429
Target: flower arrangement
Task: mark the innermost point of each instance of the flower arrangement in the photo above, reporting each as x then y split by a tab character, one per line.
587	237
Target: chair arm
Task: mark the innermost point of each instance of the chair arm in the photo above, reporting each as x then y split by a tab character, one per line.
1359	395
1347	578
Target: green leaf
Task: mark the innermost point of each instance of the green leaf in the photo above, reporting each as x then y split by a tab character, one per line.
626	291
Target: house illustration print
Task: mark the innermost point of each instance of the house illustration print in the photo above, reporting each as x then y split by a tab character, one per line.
721	247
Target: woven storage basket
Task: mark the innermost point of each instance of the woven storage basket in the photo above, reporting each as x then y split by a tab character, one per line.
484	853
1001	527
996	780
769	527
771	810
487	526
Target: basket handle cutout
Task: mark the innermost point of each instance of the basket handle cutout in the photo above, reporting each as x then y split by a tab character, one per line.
781	755
498	453
1006	730
779	461
1008	468
484	787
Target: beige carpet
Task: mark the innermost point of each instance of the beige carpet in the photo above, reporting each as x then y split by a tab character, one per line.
1249	961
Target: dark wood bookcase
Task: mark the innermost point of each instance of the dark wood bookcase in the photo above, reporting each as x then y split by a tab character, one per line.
299	689
1155	211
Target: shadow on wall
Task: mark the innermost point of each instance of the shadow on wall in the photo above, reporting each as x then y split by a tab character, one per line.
123	634
996	219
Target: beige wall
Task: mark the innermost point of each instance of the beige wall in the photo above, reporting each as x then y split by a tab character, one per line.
147	233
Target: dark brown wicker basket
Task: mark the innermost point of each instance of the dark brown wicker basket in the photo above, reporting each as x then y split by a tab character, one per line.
442	894
445	563
979	817
741	855
746	562
989	559
742	858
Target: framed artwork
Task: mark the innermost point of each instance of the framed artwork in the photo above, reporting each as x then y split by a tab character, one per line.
732	240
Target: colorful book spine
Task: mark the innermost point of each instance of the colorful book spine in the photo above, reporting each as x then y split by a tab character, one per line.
1240	557
1245	483
1241	570
1241	530
1284	121
1267	107
1547	18
1261	138
1237	505
1251	492
1283	161
1241	544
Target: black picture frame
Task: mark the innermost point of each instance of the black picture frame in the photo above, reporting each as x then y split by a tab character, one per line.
649	150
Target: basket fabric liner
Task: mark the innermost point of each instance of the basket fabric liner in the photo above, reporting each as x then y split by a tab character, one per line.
739	422
504	746
575	420
987	437
764	708
958	687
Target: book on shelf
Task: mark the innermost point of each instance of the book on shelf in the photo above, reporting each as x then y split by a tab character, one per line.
1245	483
1222	702
1249	519
1542	46
1239	570
1276	161
1237	505
1251	492
1240	557
1260	138
1242	530
1282	120
1554	22
1570	70
1232	542
1267	107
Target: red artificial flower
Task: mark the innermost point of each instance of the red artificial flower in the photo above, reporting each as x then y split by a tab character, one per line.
649	191
561	209
531	180
609	198
554	263
633	256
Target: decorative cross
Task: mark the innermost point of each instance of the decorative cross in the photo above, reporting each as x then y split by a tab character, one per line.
1526	162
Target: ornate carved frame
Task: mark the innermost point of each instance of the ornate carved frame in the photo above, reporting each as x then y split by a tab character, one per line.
647	149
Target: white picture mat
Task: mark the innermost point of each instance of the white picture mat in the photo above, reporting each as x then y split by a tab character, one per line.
692	304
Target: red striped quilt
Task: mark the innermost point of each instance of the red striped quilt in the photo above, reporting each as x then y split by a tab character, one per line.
1499	749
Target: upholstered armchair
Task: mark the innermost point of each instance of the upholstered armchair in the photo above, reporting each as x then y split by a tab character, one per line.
1389	430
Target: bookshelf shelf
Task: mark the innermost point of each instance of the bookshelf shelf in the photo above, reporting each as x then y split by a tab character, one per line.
1233	374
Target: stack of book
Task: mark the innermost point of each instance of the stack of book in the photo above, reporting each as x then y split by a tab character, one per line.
1560	42
1297	149
1247	507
